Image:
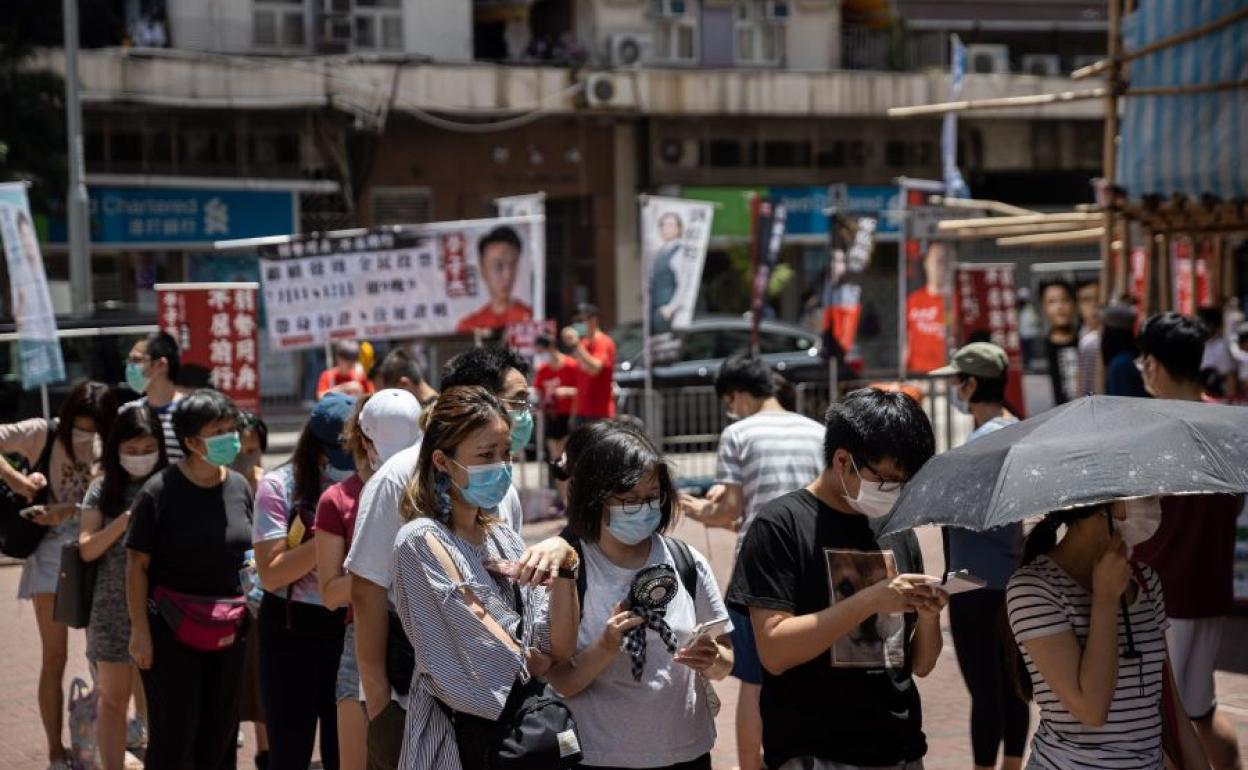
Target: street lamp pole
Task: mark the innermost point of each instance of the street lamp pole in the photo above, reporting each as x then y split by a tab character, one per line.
76	204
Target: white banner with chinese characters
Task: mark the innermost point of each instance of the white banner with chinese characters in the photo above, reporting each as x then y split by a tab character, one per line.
419	281
218	334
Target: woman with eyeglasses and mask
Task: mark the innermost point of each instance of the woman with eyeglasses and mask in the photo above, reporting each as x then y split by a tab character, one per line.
135	450
458	573
190	530
300	638
637	684
61	457
1098	685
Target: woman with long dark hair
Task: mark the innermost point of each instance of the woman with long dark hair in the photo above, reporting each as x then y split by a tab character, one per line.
474	645
649	707
1118	351
134	451
300	639
1098	689
69	449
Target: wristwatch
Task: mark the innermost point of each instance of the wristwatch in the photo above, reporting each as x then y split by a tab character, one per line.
569	573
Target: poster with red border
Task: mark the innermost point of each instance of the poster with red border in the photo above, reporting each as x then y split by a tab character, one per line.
985	311
217	331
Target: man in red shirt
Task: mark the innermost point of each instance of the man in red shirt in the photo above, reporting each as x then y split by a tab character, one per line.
925	315
499	254
594	352
1194	548
556	381
346	376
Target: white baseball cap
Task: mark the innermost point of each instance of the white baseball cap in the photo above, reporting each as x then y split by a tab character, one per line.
391	420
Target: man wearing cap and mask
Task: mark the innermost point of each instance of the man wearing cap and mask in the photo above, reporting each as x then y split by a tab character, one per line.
370	560
978	374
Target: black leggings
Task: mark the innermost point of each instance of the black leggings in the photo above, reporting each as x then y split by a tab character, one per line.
976	619
192	697
298	667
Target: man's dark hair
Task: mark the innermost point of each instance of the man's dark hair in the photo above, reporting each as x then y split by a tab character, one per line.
251	421
1115	341
988	390
484	367
1177	342
200	408
543	342
87	399
615	462
785	393
874	425
501	234
1211	316
586	310
743	373
1056	283
395	366
163	345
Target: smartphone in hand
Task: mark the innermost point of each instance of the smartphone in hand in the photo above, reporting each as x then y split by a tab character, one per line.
961	582
712	629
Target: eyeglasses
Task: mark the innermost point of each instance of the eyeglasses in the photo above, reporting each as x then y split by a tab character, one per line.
138	360
885	485
630	508
522	404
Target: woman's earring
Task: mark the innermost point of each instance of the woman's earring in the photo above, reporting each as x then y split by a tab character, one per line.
442	496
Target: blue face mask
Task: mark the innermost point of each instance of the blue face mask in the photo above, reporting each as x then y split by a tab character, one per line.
487	484
521	430
632	528
135	377
582	329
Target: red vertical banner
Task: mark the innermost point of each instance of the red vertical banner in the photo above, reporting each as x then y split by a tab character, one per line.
1183	271
1139	275
986	311
217	331
1205	256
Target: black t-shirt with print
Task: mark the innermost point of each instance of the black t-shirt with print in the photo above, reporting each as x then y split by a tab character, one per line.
855	703
197	537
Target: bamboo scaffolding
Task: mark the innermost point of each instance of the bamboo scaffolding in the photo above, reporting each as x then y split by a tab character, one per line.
973	233
1025	219
1098	67
1090	235
1029	100
977	203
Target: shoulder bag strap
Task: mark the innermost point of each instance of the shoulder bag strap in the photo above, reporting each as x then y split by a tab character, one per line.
686	568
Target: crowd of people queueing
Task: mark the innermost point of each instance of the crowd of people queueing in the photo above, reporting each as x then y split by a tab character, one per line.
375	589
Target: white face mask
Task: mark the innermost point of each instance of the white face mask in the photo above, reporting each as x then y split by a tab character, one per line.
83	438
871	502
1143	520
140	466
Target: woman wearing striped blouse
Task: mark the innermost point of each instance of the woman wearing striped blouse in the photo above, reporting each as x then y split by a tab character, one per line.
1100	702
472	646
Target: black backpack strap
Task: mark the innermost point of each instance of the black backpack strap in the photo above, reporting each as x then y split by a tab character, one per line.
582	582
686	567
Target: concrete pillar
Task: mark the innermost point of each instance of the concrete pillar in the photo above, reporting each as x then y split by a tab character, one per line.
627	253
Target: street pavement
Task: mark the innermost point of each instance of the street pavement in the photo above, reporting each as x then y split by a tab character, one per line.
945	702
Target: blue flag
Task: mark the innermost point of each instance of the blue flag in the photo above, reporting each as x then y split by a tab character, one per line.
955	185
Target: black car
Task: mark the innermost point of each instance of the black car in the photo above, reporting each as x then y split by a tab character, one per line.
790	350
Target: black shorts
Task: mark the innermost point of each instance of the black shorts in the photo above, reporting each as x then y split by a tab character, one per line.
558	426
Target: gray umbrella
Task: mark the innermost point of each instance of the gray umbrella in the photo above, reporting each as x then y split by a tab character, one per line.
1092	450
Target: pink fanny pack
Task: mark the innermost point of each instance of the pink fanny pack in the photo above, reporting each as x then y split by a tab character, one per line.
200	622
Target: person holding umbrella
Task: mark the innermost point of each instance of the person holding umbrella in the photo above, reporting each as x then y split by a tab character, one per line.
1196	563
998	714
1097	674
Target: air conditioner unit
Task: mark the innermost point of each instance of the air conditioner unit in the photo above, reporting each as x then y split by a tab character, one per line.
776	10
988	59
629	49
672	9
1042	64
678	152
606	90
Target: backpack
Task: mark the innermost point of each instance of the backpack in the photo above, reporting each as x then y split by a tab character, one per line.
19	537
686	568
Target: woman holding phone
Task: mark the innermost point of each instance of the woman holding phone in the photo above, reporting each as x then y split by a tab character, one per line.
648	708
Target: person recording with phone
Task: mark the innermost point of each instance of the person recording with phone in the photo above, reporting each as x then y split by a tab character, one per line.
978	374
638	682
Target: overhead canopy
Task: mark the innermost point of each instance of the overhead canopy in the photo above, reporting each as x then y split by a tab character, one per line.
1186	143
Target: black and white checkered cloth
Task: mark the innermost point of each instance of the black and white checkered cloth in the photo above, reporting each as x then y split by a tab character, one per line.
634	642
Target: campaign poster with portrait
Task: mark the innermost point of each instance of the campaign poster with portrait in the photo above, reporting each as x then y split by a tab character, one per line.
879	641
419	281
38	346
675	234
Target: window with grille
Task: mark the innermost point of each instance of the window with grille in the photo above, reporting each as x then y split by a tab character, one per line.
402	205
378	25
277	24
759	32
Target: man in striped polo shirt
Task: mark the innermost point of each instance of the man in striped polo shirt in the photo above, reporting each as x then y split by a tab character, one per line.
151	369
767	452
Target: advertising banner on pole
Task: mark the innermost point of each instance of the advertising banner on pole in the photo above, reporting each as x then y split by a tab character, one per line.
419	281
38	347
217	331
770	220
675	234
986	311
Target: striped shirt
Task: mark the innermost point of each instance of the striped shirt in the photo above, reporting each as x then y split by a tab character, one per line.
1043	600
769	454
458	661
165	413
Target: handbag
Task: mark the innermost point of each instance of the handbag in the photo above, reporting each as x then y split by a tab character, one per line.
19	536
75	588
203	623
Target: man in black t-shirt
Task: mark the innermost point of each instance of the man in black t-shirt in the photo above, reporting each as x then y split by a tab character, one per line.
842	619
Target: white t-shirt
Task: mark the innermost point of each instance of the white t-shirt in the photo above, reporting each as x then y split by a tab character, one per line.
378	521
1217	356
664	719
1043	600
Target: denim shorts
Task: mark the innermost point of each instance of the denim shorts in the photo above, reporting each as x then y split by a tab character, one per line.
347	687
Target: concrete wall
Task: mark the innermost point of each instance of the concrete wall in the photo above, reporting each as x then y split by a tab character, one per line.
441	29
813	35
222	26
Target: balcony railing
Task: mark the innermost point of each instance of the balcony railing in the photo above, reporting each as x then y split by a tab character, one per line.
893	49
